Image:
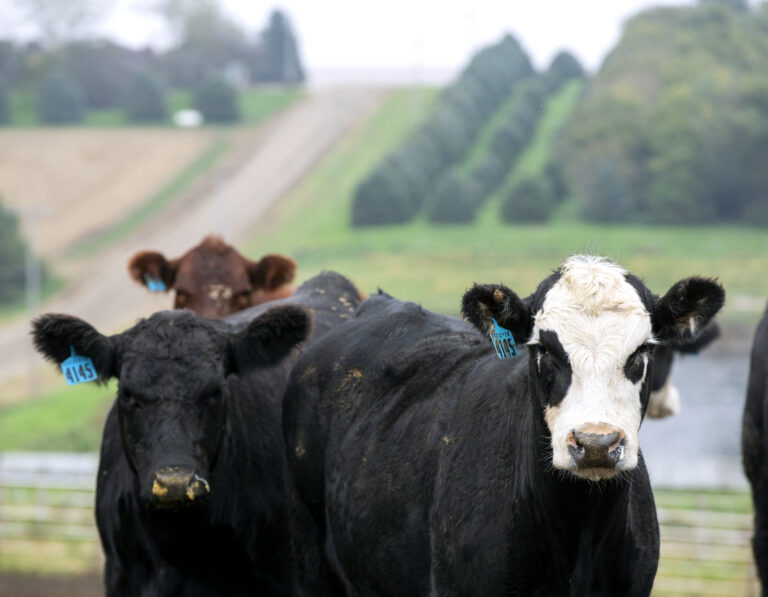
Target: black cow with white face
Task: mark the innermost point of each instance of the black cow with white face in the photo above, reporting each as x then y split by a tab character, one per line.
190	495
422	464
754	445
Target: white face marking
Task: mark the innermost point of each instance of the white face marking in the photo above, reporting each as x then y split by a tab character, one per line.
600	321
219	293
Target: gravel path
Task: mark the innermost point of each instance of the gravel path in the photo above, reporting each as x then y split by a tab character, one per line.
279	155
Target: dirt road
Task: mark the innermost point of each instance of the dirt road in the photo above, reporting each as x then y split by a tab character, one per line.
281	153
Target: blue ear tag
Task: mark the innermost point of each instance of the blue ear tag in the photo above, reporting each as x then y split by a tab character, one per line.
154	284
503	342
77	369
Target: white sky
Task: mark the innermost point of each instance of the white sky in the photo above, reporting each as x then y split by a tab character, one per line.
424	39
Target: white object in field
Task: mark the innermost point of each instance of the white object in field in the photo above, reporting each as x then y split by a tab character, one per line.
188	119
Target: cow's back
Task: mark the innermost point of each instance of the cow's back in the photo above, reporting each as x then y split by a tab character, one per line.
364	415
753	443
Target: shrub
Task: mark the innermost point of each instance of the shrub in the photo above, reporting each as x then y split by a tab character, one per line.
530	200
217	101
5	112
12	258
60	100
145	101
455	199
382	198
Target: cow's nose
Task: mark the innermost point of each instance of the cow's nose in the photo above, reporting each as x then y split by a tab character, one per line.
177	485
596	450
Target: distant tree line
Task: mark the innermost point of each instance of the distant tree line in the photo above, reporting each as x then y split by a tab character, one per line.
396	189
469	145
212	59
674	127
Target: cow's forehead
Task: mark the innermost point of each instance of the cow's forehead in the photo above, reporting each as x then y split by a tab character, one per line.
592	307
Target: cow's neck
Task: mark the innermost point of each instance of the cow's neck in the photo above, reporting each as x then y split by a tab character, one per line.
579	515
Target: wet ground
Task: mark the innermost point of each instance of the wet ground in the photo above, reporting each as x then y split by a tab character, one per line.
23	585
700	446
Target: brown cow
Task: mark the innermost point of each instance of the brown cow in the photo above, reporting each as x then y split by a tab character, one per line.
213	279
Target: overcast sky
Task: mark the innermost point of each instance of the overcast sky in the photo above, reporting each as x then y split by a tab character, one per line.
413	38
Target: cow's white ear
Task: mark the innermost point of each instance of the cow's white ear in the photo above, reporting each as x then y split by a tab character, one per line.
153	270
56	336
688	306
484	302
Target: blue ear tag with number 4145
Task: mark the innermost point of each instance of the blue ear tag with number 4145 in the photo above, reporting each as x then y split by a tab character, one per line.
77	369
154	284
503	342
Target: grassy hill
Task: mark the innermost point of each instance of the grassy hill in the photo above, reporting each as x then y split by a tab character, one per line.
434	264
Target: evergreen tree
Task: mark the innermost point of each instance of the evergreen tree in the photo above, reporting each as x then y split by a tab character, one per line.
5	112
12	258
60	100
145	101
278	60
217	101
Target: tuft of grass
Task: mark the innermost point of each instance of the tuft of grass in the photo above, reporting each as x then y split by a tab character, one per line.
69	418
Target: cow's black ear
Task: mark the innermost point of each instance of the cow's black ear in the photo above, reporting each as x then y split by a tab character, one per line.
54	336
681	314
151	265
484	302
704	338
270	337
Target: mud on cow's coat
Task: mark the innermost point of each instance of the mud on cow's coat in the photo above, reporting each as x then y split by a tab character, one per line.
422	464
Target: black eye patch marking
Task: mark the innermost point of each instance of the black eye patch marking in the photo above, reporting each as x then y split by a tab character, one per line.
554	372
635	365
549	341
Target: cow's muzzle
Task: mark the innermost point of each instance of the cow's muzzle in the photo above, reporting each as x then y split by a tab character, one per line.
601	450
177	486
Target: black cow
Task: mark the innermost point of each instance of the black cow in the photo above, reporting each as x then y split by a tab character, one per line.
665	398
190	497
422	464
754	444
330	298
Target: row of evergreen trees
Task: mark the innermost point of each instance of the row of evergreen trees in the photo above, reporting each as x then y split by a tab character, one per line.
396	188
212	59
496	103
62	101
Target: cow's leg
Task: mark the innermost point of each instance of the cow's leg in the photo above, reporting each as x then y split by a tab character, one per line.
760	538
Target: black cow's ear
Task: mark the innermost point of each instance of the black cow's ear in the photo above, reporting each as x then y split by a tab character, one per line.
704	338
270	337
271	271
483	302
55	336
151	265
681	314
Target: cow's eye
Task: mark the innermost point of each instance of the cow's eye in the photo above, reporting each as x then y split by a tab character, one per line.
635	365
244	299
182	299
542	349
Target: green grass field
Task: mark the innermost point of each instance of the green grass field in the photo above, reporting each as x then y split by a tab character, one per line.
434	264
69	418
